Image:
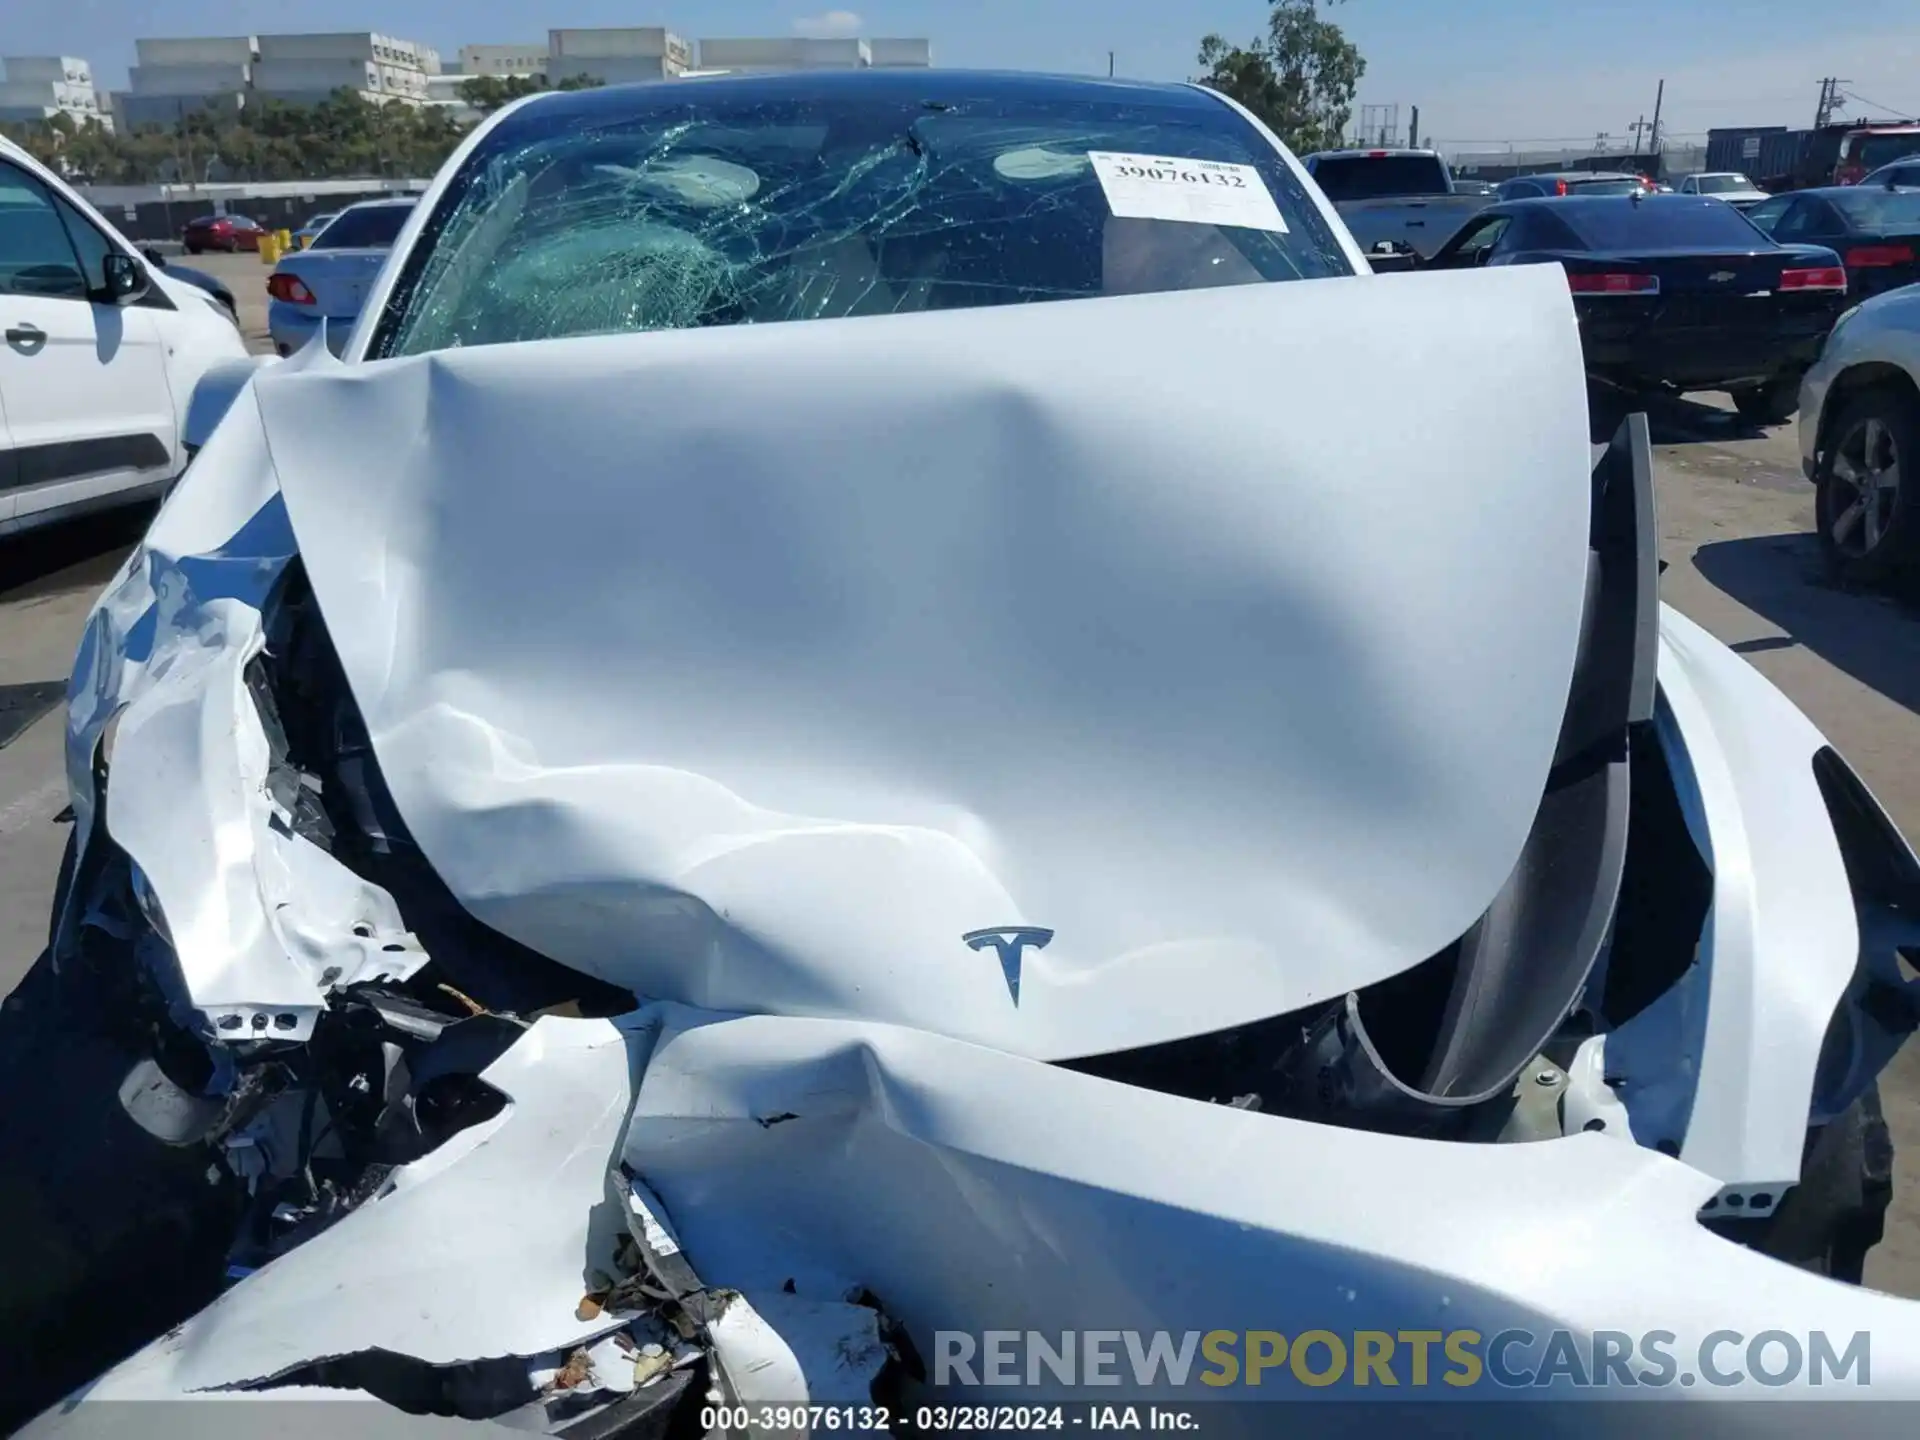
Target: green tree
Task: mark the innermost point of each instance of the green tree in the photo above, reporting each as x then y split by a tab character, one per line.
37	138
345	136
487	93
580	82
1300	79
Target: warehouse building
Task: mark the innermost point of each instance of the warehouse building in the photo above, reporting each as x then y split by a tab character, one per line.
39	87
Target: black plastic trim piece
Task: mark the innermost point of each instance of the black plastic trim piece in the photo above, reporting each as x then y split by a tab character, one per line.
73	459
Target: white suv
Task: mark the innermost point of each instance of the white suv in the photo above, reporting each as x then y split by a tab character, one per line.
100	356
1860	439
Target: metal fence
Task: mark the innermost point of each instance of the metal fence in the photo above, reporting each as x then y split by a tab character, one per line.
159	213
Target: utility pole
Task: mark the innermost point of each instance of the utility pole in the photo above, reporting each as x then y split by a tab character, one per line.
1829	101
1658	96
1413	130
1109	64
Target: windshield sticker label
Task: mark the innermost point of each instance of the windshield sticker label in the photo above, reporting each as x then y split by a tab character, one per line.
1200	192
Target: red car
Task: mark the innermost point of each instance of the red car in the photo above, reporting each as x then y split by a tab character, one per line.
222	232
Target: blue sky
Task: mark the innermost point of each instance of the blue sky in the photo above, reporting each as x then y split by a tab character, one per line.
1478	69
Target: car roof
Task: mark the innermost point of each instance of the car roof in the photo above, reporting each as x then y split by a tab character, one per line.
1578	175
1373	152
1578	204
946	87
1826	192
376	204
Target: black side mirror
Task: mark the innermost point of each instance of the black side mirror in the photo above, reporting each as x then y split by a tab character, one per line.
125	281
153	257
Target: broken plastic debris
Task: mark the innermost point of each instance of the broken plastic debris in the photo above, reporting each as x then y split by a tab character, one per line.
650	1367
576	1372
474	1007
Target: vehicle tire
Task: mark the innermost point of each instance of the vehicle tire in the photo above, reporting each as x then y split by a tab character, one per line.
1867	495
1772	404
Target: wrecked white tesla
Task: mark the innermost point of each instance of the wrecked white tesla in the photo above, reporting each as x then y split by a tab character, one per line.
665	876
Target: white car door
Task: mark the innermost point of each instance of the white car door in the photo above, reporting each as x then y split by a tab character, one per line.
83	382
9	471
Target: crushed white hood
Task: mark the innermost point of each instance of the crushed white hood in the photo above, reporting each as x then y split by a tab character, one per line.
1221	634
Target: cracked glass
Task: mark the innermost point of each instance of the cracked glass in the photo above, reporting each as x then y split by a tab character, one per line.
755	204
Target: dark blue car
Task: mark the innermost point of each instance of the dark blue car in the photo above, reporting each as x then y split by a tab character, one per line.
1875	229
1674	292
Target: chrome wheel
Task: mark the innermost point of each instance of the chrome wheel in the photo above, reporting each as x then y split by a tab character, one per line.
1865	473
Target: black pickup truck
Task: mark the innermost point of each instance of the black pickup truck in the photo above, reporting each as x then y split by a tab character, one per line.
1402	199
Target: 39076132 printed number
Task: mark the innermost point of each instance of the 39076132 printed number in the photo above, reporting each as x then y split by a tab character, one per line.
1228	179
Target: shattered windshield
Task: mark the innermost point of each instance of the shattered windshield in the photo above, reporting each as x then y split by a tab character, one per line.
694	212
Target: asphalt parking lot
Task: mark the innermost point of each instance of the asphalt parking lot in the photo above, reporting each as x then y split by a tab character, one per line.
1736	523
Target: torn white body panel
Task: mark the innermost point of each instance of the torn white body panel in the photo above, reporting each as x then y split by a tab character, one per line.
262	921
481	1250
975	1191
978	1192
758	667
283	1415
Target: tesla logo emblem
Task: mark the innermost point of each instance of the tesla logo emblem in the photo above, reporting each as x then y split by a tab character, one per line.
1009	941
1720	277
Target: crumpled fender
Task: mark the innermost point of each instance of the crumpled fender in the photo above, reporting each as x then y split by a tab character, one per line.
1725	1063
262	920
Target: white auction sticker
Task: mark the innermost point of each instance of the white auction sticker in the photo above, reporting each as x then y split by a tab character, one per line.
1201	192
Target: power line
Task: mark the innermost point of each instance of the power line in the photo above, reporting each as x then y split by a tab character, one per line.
1876	105
1666	134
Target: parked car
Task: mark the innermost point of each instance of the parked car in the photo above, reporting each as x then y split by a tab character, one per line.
324	284
1404	200
199	279
864	813
1728	185
1874	229
1860	439
1899	175
307	233
1674	292
222	232
103	352
1573	182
